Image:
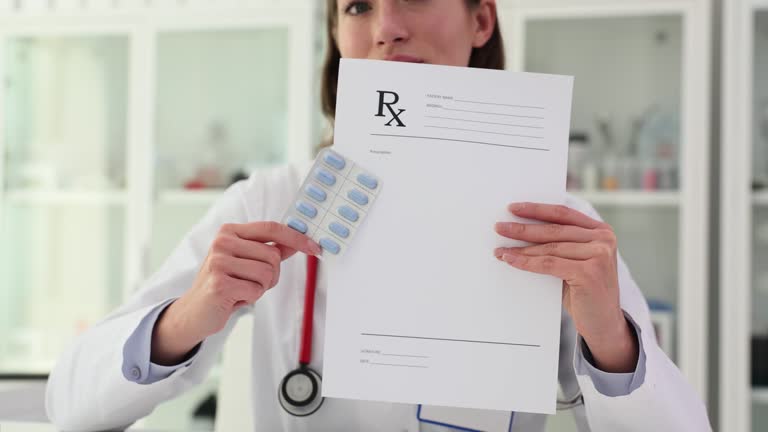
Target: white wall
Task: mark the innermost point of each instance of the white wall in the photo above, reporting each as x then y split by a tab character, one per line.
760	163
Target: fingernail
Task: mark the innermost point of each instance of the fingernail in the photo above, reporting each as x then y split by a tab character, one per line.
510	258
516	207
314	248
498	252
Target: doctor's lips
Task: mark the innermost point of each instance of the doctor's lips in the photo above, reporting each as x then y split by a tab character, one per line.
403	58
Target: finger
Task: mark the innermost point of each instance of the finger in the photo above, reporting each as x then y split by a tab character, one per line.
573	251
251	250
248	270
286	251
278	233
557	214
538	233
255	271
561	268
243	291
247	249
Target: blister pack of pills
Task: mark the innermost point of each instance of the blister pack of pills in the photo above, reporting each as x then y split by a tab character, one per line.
332	202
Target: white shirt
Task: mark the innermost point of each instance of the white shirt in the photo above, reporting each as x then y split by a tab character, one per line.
105	380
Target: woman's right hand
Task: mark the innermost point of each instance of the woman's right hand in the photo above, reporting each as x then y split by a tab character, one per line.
242	264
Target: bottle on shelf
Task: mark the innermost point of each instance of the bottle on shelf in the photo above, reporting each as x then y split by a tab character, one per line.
650	180
628	173
215	159
609	167
610	171
658	146
667	174
578	149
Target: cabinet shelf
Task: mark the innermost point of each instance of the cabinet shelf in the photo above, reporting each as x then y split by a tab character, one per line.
760	198
28	366
64	197
200	197
631	198
760	395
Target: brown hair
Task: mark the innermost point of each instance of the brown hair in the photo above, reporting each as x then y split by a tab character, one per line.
489	56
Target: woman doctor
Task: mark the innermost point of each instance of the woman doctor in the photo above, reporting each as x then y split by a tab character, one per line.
235	261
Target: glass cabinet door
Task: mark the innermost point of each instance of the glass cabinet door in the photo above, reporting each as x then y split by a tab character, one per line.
625	147
62	204
759	337
221	113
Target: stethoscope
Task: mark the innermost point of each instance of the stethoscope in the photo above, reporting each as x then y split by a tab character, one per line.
300	390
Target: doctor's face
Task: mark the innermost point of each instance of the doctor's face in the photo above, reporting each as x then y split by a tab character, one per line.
423	31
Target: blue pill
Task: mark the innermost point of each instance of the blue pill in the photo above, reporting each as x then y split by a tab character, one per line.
358	197
348	213
298	225
339	229
335	160
306	209
316	192
367	181
330	245
325	177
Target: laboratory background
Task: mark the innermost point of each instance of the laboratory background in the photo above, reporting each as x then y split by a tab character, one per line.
122	121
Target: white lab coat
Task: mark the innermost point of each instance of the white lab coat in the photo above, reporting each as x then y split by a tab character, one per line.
88	391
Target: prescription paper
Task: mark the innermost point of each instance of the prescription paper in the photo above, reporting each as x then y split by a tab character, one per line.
420	311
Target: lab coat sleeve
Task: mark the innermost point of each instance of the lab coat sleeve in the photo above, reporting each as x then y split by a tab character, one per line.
88	389
137	351
611	384
663	400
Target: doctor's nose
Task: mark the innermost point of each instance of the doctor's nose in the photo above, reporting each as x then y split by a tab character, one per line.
390	25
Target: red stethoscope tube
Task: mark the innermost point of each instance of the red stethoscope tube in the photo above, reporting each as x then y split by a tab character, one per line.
300	392
305	355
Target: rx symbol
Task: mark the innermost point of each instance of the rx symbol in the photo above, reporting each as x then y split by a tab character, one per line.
383	103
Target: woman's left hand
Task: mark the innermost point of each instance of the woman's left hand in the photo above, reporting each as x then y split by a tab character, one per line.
582	252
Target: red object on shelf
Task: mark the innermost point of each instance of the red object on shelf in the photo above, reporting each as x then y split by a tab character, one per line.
194	184
650	180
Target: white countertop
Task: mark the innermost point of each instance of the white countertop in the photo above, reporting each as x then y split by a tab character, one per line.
26	427
39	427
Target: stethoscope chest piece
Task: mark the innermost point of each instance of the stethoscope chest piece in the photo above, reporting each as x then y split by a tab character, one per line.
300	392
